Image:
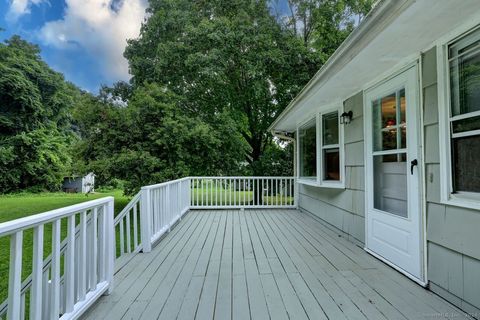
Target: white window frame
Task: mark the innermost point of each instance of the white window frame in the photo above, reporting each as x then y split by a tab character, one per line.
301	179
461	199
319	182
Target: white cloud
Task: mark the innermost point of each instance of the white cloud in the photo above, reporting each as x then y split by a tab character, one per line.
101	27
19	8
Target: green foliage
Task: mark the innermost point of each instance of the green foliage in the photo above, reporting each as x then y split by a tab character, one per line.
154	139
223	56
238	58
35	131
276	161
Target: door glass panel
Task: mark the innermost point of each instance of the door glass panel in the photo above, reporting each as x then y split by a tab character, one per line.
390	183
390	170
389	122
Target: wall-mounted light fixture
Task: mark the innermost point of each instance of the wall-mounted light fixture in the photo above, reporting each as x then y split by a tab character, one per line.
346	117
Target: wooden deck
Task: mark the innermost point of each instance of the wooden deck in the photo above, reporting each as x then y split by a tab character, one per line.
262	264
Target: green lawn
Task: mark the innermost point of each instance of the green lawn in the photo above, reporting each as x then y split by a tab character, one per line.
22	205
219	196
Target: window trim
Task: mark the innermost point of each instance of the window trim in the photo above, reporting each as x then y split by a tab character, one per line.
319	182
461	199
299	127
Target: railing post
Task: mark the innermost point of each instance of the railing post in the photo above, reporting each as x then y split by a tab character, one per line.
146	220
110	263
295	193
189	193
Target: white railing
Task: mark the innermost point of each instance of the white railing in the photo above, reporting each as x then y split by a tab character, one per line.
79	269
161	206
88	244
127	226
242	192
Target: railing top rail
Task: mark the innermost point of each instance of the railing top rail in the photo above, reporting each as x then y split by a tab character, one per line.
245	177
13	226
159	185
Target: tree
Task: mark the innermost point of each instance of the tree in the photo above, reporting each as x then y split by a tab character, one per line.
324	24
153	139
223	57
35	130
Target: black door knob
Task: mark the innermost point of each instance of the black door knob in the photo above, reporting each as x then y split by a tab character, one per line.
413	163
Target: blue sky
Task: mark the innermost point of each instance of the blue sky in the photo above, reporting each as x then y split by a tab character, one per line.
83	39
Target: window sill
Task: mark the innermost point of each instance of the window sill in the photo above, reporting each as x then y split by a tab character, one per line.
312	183
324	184
469	201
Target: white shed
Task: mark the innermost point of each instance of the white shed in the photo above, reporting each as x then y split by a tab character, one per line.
83	184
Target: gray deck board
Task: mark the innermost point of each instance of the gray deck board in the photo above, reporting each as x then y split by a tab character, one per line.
262	264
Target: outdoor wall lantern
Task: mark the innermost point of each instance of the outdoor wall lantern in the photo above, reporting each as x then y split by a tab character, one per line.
346	117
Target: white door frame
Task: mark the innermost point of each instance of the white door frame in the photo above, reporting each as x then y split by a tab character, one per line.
418	127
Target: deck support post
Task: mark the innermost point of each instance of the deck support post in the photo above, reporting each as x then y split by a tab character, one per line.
110	263
146	219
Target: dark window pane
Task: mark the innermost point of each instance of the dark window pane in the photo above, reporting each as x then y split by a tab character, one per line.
308	151
330	128
466	164
331	160
466	124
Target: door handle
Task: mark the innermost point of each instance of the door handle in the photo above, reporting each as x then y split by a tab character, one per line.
413	163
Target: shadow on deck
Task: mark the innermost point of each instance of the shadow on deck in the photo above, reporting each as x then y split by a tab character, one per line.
262	264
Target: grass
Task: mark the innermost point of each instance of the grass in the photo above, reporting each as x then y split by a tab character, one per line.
21	205
219	196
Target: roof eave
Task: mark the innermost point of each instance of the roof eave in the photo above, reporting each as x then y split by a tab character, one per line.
375	21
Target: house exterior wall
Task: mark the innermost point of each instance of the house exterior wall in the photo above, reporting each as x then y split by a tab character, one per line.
343	209
453	237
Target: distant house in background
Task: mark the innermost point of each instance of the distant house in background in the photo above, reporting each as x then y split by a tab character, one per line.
83	184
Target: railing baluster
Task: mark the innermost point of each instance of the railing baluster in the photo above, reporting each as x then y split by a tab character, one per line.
22	306
37	273
101	241
70	265
128	228
45	294
55	284
276	191
83	255
244	192
135	226
257	190
122	237
15	275
94	249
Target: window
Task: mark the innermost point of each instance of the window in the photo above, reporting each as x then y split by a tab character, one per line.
320	151
330	147
307	142
464	116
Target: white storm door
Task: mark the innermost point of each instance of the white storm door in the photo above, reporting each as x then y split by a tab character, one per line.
393	193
